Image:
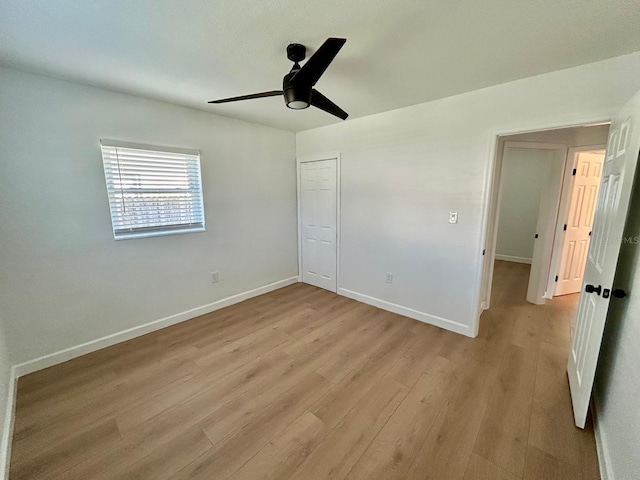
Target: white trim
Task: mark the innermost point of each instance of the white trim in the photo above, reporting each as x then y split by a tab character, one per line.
338	216
317	158
409	312
511	258
604	460
298	216
151	148
93	345
159	233
7	432
544	127
490	190
534	145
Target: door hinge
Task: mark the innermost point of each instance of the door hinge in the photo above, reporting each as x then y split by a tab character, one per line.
565	227
483	251
575	170
536	236
556	278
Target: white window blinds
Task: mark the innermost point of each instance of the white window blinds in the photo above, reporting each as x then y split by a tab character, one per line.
152	190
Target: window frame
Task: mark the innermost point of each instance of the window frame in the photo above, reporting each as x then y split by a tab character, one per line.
157	231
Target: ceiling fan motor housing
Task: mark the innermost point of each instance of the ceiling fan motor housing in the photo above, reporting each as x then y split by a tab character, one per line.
296	97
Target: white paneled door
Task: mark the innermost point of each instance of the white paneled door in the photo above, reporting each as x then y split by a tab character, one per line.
577	232
318	220
613	202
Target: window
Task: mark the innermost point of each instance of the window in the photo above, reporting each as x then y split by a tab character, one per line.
152	190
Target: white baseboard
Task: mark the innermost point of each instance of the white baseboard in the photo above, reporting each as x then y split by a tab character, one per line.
604	460
93	345
511	258
7	431
408	312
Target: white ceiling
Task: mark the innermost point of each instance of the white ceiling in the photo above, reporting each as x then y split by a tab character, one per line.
398	52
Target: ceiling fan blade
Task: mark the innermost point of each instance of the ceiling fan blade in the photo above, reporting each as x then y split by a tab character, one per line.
323	103
272	93
313	69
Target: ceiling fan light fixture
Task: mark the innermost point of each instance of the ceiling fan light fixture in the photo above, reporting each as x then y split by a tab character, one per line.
296	97
298	104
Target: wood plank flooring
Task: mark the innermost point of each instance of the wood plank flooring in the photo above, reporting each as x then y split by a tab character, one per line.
304	384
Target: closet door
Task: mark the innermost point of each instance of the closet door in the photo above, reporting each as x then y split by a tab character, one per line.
318	217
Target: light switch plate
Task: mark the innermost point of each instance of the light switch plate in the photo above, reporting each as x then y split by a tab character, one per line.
453	217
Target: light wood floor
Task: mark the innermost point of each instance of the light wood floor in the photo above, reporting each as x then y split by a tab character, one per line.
303	384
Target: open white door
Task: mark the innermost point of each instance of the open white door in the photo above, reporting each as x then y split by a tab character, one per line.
587	174
608	226
318	221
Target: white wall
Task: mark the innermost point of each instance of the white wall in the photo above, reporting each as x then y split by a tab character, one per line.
617	387
63	278
523	175
404	170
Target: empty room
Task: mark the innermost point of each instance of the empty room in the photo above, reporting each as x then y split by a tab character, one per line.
301	240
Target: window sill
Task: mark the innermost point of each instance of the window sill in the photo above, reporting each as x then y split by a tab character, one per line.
130	236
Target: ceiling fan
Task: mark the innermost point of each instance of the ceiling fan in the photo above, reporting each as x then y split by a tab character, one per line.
297	85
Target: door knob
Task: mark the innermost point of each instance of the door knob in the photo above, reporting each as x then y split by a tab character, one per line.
591	289
619	293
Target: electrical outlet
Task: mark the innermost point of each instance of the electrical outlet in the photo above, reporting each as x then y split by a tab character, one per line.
389	277
214	277
453	217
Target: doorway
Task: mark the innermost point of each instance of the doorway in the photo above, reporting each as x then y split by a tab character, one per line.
531	183
318	202
535	194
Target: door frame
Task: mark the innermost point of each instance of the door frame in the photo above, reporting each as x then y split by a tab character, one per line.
544	263
565	200
318	158
484	274
493	184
